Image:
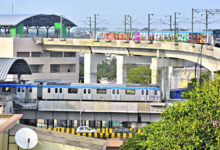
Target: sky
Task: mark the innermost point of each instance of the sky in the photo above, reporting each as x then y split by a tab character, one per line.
111	12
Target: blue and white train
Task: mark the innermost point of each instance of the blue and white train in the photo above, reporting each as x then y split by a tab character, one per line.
77	91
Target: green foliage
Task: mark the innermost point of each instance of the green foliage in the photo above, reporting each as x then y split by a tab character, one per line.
204	77
106	70
140	74
193	124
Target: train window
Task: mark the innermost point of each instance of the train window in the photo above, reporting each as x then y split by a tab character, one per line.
155	92
130	92
84	91
117	91
101	91
61	90
30	90
142	92
113	91
89	91
23	89
6	89
146	92
73	90
56	90
19	89
48	90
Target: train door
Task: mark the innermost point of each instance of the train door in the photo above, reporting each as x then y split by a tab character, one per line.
143	95
21	92
87	94
60	93
115	94
56	94
118	96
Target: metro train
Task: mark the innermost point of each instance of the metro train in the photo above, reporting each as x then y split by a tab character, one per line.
77	91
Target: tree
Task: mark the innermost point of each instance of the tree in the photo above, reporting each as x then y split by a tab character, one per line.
140	74
106	70
192	124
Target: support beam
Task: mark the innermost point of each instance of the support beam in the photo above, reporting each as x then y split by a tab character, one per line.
161	73
121	75
90	69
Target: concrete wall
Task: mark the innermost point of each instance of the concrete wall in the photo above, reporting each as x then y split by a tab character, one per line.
7	47
42	145
10	46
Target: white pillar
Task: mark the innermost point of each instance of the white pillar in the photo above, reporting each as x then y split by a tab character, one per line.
170	73
121	75
90	66
155	72
212	75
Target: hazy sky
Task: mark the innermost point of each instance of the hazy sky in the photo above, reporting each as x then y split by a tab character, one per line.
111	12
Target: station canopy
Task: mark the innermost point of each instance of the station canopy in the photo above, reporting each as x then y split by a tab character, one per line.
33	20
13	66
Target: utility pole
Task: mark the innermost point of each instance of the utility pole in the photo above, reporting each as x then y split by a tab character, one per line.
175	26
90	27
125	23
12	9
130	22
149	26
192	25
175	23
170	21
94	26
206	25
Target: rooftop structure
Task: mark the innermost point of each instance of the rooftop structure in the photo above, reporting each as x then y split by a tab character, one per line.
15	24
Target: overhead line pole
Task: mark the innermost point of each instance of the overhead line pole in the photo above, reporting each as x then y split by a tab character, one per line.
94	34
192	25
90	27
149	26
170	23
125	23
130	22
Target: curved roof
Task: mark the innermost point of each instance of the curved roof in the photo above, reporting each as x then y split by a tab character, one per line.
13	66
33	20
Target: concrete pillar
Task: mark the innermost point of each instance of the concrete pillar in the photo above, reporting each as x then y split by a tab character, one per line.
213	74
162	69
121	75
90	67
155	71
170	72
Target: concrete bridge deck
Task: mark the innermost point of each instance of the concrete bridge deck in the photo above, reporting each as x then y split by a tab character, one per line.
111	111
186	51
